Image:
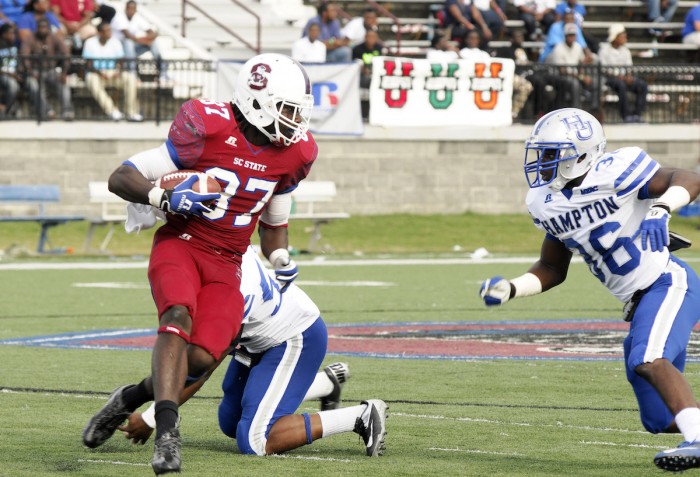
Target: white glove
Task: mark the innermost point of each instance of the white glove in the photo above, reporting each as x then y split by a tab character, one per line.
286	269
495	291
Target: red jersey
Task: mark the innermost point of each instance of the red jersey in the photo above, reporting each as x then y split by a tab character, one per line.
72	10
205	137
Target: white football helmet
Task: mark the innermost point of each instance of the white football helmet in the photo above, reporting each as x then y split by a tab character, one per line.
274	90
566	143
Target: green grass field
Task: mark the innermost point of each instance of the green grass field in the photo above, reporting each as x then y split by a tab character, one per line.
447	418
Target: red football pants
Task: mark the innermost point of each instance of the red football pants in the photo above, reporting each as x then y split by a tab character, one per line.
205	282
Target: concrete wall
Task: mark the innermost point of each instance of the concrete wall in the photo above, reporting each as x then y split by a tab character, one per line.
386	171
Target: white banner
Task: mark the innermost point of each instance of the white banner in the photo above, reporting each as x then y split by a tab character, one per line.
418	92
336	90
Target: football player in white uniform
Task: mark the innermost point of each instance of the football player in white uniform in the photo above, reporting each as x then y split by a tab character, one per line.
274	369
613	209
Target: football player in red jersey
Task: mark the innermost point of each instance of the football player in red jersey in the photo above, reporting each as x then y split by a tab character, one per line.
258	148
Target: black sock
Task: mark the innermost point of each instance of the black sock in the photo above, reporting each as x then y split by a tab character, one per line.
166	417
137	395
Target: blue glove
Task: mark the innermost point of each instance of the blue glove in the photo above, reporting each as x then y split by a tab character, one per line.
495	291
183	200
655	228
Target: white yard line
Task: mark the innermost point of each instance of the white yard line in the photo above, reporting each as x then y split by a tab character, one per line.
520	424
112	462
476	451
317	262
304	457
614	444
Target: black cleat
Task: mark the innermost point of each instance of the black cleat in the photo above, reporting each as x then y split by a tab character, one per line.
166	454
371	426
338	373
105	422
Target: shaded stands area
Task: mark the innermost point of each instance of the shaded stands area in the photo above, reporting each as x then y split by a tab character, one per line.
159	96
418	21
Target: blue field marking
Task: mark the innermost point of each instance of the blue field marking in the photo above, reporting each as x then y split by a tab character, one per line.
566	339
82	340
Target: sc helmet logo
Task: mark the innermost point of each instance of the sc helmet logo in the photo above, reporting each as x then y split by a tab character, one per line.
258	76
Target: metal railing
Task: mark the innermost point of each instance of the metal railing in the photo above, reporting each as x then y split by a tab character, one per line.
160	88
185	19
673	91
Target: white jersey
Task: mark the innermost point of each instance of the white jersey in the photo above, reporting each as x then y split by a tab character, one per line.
600	220
271	317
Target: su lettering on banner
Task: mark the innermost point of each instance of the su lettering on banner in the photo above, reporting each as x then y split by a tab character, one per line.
419	92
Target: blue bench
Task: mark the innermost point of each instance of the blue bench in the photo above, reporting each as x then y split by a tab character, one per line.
37	194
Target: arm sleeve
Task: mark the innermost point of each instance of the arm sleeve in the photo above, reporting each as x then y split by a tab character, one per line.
276	214
637	173
153	163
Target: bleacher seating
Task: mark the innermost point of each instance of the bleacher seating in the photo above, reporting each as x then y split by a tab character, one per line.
418	22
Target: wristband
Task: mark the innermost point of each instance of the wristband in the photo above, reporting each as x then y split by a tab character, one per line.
155	195
279	258
149	416
526	285
674	198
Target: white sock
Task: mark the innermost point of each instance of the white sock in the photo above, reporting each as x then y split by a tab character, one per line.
322	386
688	422
340	420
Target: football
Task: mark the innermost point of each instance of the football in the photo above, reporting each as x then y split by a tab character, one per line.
205	185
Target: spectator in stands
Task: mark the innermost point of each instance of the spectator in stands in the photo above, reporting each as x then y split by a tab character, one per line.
356	28
620	78
660	11
45	65
494	17
365	52
471	50
9	79
337	46
442	49
104	69
103	12
34	11
691	29
579	12
555	35
569	55
136	34
538	16
75	17
525	81
309	49
460	17
11	10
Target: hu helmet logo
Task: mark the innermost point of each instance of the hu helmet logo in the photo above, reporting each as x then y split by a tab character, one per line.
583	129
258	76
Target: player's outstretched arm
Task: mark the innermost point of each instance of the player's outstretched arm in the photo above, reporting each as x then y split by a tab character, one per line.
673	188
549	271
